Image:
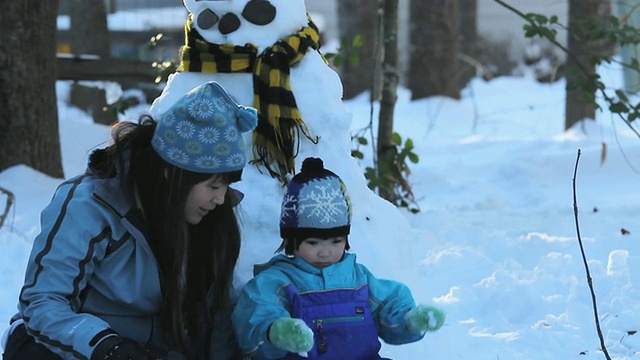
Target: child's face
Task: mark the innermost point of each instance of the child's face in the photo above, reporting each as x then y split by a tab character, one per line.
322	252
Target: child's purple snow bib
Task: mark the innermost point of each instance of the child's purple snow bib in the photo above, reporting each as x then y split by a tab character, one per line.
341	321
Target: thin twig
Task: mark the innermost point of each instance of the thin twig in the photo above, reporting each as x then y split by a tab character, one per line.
584	259
624	155
375	84
10	199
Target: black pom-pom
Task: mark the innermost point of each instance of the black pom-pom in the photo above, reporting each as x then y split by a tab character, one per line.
312	165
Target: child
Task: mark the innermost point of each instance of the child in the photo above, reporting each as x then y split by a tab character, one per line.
316	299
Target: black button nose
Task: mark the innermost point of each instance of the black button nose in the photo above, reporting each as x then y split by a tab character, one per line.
207	19
229	23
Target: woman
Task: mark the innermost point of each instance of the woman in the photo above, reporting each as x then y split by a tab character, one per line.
135	257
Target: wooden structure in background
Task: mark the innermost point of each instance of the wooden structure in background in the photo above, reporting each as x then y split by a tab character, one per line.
87	67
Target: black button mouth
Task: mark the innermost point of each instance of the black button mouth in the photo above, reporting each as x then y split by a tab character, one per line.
229	23
257	12
207	19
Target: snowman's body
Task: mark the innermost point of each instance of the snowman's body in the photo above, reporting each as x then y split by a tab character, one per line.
318	93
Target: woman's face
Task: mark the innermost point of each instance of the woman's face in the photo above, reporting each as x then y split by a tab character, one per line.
204	197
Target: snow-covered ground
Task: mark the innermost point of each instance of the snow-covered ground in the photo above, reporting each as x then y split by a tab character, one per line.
495	242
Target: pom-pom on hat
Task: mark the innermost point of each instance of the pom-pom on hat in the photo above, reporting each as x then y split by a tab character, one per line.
202	131
316	204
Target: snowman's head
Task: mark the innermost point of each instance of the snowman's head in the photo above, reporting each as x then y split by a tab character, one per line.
238	22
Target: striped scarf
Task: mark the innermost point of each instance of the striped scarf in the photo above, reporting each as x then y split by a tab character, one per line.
276	139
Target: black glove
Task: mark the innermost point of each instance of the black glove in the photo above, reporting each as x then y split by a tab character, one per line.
118	348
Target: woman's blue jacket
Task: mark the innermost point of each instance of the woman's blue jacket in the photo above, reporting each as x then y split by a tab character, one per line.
91	274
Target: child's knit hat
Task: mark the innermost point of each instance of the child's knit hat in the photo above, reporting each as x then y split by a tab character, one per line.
316	204
202	131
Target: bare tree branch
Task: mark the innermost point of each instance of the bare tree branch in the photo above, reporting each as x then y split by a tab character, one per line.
584	259
7	207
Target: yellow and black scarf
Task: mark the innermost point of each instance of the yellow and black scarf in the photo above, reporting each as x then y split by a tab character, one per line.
275	143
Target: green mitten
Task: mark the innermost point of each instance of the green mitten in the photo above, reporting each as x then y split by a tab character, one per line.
424	318
291	334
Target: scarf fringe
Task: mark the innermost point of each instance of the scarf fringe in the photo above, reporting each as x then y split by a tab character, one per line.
276	148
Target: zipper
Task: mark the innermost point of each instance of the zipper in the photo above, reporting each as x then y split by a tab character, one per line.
339	319
322	345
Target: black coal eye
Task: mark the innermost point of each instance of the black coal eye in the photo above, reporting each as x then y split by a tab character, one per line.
229	23
207	19
259	12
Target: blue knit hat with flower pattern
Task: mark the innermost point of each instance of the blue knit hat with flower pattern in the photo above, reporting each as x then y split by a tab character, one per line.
202	131
316	204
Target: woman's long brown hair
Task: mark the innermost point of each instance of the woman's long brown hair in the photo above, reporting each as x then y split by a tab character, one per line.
196	262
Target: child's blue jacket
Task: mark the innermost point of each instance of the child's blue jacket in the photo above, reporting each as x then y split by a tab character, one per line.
263	300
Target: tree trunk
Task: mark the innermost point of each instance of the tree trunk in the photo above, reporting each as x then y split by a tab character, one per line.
357	17
28	110
469	48
580	102
468	13
433	48
89	33
389	87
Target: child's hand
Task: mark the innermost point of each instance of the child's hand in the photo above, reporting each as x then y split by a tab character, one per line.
424	318
291	334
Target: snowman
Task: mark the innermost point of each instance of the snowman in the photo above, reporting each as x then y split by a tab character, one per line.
240	44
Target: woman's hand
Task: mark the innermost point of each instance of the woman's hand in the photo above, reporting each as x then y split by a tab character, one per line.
118	348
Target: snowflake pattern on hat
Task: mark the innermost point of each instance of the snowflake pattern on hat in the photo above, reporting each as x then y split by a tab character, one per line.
316	204
323	204
201	132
